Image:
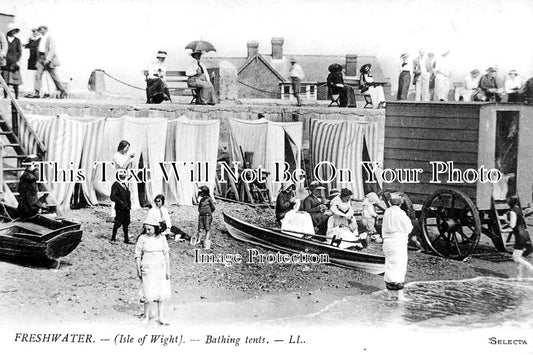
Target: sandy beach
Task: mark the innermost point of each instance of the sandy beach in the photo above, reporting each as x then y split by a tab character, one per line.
97	282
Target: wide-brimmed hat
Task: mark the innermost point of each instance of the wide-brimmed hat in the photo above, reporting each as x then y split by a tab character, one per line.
12	27
31	159
151	221
293	60
346	192
315	185
365	68
491	69
161	54
286	185
404	55
513	72
475	71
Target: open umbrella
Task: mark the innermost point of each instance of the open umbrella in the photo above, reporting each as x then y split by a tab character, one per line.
200	46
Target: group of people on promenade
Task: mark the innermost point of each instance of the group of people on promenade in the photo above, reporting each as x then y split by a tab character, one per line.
197	78
431	79
43	58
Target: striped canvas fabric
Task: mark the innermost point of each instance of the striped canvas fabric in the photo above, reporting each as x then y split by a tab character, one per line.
340	143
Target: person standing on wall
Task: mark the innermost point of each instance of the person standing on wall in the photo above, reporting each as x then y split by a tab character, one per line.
296	74
405	77
422	69
48	61
11	70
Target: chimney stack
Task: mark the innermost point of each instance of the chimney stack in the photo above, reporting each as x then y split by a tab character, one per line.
351	65
253	48
277	48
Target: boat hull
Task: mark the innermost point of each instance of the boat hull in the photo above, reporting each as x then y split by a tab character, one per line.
39	240
283	242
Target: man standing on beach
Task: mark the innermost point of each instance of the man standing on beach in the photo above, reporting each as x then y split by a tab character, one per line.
422	70
121	196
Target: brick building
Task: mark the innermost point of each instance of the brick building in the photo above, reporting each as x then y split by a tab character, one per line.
266	75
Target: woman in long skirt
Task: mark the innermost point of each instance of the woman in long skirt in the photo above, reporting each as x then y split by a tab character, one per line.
153	268
395	231
11	71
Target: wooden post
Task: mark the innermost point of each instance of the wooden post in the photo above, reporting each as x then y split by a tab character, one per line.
14	119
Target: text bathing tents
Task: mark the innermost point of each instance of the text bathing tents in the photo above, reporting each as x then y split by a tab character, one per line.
341	143
269	142
83	141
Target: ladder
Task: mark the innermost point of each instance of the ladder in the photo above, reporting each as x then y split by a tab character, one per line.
13	152
502	231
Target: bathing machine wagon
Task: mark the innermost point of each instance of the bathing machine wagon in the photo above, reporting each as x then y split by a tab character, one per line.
464	160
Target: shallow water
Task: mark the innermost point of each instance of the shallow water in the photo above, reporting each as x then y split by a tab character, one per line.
479	302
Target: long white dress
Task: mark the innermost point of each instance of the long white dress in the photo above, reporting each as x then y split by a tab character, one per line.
442	79
395	231
341	223
154	284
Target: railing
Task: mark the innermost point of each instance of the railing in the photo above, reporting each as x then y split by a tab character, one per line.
18	119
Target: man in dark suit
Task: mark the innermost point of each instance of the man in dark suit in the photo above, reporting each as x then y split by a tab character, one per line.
121	196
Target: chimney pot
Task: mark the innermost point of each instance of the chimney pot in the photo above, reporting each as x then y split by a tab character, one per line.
351	65
277	47
253	48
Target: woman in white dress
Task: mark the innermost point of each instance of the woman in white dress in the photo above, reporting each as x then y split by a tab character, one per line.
160	213
153	269
342	225
395	231
122	160
442	77
366	83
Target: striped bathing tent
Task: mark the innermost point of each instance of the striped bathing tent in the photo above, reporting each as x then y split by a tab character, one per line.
345	145
79	142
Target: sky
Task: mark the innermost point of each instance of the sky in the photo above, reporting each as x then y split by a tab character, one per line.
122	36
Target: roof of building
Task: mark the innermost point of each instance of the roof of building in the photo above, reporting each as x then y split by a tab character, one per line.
315	67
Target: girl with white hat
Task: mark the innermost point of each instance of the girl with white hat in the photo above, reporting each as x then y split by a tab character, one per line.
153	269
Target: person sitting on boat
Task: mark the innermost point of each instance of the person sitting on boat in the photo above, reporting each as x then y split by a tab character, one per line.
342	226
369	216
297	221
315	205
285	200
29	204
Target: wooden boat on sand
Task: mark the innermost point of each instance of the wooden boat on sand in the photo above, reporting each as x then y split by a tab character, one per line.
294	243
39	240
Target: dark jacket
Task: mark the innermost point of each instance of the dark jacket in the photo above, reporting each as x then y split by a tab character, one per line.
283	205
121	196
206	206
333	79
29	204
33	46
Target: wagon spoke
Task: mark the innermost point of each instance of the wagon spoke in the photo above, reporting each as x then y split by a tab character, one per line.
465	237
456	243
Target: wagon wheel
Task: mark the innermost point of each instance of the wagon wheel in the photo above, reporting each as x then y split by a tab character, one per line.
450	224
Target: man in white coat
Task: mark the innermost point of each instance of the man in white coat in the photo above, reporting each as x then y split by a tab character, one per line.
422	70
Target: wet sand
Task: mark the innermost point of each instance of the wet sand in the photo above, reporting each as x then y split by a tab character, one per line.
97	282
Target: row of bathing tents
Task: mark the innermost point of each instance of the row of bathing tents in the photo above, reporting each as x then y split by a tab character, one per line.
79	142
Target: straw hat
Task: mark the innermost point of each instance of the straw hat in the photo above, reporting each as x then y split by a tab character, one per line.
404	55
12	27
161	54
491	69
151	221
514	72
